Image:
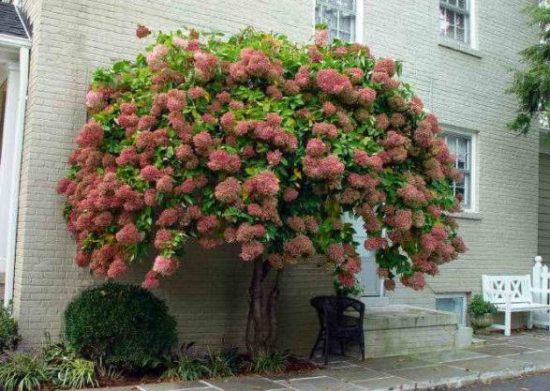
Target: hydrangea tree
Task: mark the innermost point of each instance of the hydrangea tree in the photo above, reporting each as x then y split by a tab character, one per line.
261	142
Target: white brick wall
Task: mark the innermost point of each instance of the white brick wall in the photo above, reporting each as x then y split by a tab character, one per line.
71	38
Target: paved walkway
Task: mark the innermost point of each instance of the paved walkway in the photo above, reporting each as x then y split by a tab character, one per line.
498	357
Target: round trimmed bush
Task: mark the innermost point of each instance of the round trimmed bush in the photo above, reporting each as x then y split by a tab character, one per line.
123	325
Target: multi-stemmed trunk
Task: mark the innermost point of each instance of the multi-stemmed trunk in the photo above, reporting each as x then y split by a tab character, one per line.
261	327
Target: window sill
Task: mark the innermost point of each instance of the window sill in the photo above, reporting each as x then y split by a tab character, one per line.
467	215
459	47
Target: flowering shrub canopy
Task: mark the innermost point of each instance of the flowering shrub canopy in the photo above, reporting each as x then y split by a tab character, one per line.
258	141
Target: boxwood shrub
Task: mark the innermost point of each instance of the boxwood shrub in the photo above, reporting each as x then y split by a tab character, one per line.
123	325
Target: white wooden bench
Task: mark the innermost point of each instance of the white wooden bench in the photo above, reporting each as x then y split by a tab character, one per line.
512	294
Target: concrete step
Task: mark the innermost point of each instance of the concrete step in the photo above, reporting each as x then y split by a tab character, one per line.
375	301
395	330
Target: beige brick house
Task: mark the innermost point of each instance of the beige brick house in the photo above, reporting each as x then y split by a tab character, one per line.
456	54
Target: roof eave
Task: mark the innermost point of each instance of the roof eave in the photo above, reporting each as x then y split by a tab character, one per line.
13	41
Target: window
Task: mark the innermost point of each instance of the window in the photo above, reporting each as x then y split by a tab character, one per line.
340	16
453	303
461	146
454	20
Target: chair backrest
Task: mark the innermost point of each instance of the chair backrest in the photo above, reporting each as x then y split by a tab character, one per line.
331	309
497	288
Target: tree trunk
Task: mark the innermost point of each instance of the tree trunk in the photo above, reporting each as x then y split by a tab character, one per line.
261	327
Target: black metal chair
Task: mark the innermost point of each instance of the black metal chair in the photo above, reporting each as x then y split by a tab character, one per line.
341	320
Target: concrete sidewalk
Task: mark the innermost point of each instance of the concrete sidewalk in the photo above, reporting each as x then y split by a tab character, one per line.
496	357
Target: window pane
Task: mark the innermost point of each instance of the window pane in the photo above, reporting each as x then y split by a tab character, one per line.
454	20
348	4
451	304
460	146
339	16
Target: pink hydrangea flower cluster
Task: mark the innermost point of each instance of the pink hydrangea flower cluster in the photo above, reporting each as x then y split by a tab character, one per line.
261	143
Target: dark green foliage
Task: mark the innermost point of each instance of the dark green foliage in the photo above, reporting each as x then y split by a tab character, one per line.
531	84
479	307
124	326
9	337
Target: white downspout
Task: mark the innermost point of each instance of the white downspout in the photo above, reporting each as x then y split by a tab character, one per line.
24	54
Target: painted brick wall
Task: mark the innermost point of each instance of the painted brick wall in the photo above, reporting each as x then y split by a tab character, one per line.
71	38
466	91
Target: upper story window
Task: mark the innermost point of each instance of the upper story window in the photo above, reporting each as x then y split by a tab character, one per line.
340	16
461	145
454	19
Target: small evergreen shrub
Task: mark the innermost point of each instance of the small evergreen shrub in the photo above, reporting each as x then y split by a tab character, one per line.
124	326
9	337
480	307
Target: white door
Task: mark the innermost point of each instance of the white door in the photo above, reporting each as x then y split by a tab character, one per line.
368	278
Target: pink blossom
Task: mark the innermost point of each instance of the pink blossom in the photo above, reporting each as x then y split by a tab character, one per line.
94	99
247	232
150	173
302	77
274	157
290	194
165	184
366	96
355	74
167	217
332	82
82	259
316	147
346	279
300	246
314	54
363	159
402	219
375	243
251	250
207	224
382	121
386	65
264	183
321	37
103	220
128	155
329	108
176	100
221	160
117	269
128	234
151	281
335	253
162	239
165	266
416	281
459	245
325	129
91	135
228	191
203	141
197	93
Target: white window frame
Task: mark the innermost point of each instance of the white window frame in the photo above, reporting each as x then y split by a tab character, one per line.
461	295
474	189
359	18
470	28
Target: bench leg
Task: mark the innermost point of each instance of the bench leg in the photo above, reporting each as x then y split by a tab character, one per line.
507	323
530	320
